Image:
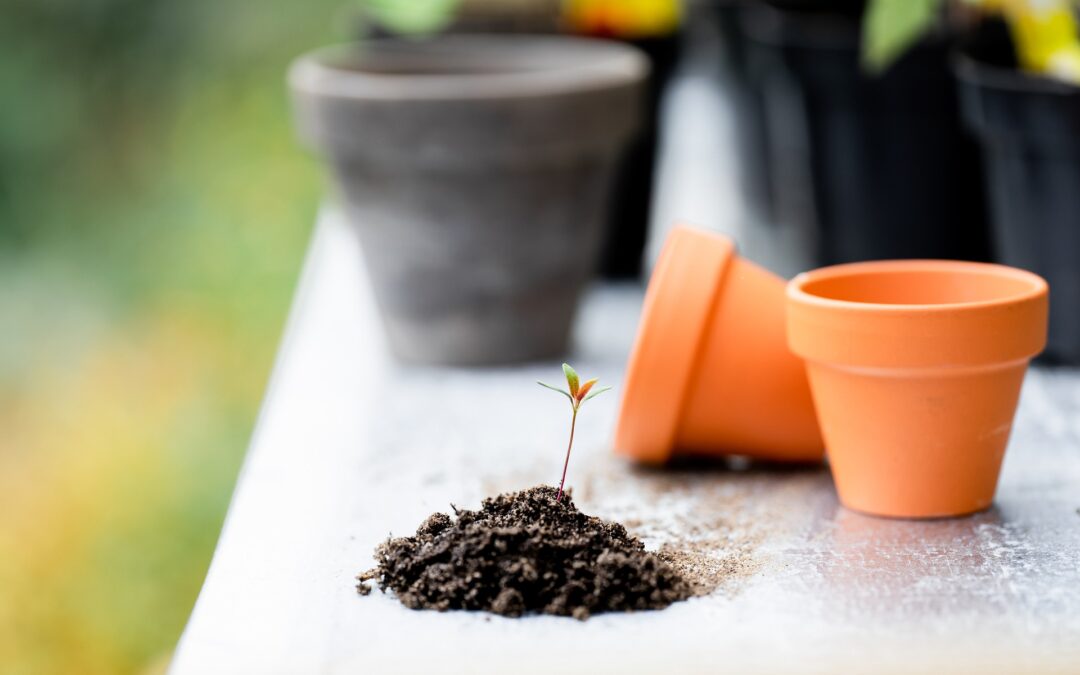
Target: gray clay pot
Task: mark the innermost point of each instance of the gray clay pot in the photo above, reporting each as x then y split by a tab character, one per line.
476	170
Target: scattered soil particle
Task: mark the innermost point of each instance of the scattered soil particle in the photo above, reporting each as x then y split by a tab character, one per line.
708	571
525	553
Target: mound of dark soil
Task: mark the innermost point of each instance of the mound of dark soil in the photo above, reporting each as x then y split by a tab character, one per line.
524	553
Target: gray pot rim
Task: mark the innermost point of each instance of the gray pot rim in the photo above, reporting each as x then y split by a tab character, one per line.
458	68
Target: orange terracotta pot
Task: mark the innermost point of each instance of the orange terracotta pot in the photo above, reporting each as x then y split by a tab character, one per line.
711	372
916	368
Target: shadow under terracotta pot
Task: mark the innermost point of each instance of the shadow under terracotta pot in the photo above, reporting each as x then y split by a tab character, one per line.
710	372
916	369
476	170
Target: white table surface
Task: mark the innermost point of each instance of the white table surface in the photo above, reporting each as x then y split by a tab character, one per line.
351	447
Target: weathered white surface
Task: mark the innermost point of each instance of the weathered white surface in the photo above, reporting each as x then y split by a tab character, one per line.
351	447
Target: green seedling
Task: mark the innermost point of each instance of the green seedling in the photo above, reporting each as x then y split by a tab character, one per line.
579	393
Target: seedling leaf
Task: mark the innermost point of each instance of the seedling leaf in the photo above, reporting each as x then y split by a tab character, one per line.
596	393
571	379
585	388
561	391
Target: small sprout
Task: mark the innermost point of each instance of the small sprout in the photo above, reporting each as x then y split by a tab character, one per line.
577	395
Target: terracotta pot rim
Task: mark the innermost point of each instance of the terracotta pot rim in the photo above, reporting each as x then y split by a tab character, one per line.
917	314
1036	286
692	265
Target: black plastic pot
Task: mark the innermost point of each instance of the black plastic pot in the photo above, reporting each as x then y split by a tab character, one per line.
864	167
747	96
751	141
1029	128
784	246
631	200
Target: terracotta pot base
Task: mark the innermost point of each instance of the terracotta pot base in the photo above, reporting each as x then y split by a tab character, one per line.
710	373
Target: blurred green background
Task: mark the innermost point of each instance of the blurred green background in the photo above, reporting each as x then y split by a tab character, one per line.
154	210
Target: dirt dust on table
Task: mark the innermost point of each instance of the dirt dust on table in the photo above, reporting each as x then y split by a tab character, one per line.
524	553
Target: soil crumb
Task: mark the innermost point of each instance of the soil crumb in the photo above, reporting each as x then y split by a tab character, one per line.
524	553
707	571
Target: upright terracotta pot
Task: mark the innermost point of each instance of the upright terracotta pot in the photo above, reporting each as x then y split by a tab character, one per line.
711	372
916	368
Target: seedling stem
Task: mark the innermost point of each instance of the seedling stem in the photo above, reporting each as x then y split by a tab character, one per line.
577	395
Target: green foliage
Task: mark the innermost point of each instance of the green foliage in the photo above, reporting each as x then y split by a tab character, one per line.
154	209
890	27
412	17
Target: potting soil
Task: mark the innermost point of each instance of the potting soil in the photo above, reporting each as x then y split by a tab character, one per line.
524	553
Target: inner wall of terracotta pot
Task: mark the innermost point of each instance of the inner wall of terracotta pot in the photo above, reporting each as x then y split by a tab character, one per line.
921	286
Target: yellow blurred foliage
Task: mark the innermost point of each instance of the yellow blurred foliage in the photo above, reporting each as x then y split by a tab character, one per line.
96	485
1046	35
154	209
623	18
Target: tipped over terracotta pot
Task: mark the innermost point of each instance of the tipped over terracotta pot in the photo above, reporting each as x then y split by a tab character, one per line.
711	373
916	368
